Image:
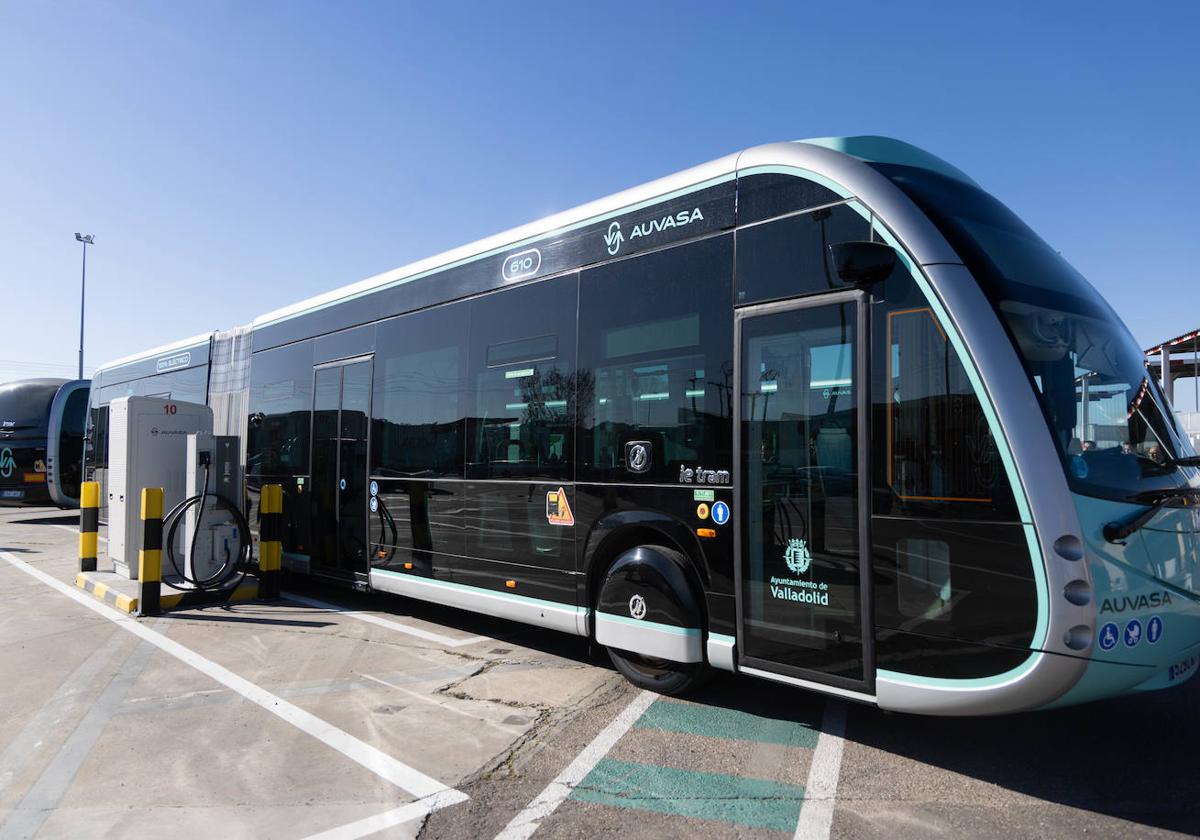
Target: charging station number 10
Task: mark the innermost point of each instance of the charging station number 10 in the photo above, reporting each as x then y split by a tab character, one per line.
169	408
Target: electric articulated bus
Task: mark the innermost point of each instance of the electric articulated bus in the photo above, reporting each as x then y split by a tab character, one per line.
177	371
41	441
821	412
195	370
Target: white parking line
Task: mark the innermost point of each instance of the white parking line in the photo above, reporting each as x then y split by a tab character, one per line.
378	762
369	618
396	816
416	695
526	823
820	792
390	624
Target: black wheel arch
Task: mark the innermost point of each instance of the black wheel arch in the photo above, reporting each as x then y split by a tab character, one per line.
618	532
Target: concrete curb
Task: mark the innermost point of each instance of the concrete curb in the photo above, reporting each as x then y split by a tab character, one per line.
247	591
124	603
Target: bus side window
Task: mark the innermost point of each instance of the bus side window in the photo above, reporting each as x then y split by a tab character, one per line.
789	256
937	447
281	403
655	336
70	443
523	382
420	362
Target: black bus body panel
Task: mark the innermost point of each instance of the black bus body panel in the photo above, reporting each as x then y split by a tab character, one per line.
559	252
664	587
487	533
19	458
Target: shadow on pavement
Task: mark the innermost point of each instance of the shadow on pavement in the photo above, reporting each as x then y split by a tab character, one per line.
66	519
761	698
564	645
1132	758
245	619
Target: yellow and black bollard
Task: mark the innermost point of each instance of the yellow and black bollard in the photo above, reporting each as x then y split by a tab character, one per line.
150	555
270	544
89	524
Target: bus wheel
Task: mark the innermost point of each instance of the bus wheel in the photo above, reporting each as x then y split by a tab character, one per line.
661	676
650	619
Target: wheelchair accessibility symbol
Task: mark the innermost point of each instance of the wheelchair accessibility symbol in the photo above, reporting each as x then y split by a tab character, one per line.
1109	635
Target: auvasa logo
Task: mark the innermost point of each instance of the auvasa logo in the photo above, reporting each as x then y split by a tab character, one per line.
615	237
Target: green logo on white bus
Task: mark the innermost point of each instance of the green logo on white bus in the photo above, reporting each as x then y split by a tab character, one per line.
6	463
797	556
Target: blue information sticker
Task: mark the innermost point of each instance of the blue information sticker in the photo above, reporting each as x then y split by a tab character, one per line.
374	504
342	484
720	513
374	489
1154	629
1133	632
1109	635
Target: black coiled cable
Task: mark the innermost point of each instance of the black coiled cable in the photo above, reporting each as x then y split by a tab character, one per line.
387	521
231	570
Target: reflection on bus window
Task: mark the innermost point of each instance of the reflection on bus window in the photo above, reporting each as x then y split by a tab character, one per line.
940	448
280	406
655	331
1108	415
1109	419
418	426
923	579
524	380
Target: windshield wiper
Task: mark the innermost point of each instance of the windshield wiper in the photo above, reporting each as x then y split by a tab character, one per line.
1118	532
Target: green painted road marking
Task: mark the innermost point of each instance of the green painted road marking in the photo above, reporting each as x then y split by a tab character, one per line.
756	803
716	722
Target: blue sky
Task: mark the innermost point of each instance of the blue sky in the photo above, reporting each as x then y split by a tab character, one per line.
233	157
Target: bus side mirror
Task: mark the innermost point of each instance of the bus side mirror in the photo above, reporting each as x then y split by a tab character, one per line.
862	263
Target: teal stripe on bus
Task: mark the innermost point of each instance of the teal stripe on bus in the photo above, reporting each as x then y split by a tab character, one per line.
755	803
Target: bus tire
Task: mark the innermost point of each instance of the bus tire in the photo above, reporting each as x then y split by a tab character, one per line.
660	675
659	578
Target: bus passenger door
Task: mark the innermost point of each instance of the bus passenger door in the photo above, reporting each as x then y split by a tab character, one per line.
341	421
801	524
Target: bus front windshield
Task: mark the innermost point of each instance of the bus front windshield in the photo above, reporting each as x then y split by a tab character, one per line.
24	407
1113	426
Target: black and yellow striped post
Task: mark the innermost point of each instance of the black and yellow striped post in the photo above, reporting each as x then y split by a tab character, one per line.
150	555
89	524
270	536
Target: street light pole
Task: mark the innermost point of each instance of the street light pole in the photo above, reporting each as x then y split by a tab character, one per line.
86	240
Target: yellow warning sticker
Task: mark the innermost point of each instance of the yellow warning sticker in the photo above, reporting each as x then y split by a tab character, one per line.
702	511
558	510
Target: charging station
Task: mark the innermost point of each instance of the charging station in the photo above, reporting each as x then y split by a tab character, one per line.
211	539
148	447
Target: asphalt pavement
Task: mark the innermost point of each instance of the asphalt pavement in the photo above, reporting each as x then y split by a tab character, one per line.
338	715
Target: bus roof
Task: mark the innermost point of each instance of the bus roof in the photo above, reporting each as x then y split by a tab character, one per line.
647	193
865	148
876	149
142	355
40	381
